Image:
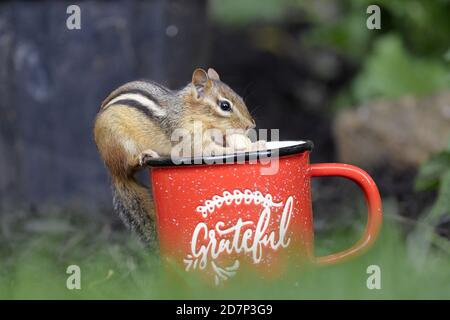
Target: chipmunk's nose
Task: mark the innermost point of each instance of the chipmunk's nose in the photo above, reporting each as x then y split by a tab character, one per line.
252	125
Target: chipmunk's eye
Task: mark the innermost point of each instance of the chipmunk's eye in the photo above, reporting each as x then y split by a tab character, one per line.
225	105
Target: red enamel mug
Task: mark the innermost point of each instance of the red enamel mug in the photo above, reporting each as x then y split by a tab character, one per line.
214	215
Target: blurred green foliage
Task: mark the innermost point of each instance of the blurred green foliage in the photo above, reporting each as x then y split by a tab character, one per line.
235	13
116	268
435	175
424	236
390	71
409	55
433	172
422	24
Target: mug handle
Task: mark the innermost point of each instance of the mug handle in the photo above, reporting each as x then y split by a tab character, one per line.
373	201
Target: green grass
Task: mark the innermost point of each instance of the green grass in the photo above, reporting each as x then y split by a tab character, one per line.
114	266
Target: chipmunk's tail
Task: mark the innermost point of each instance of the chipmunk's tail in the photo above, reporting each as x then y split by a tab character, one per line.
133	202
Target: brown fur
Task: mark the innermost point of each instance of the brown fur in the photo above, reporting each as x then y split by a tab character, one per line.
124	135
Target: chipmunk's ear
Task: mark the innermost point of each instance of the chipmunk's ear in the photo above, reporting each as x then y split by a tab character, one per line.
213	75
201	81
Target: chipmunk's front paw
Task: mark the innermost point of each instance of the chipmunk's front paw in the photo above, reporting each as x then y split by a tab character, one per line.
147	155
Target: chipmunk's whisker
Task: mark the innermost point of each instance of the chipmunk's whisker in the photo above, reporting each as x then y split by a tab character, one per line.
246	92
252	112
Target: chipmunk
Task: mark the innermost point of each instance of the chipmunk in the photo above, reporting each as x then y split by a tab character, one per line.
135	123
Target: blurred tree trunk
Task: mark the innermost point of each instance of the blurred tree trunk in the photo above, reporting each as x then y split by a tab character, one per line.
52	81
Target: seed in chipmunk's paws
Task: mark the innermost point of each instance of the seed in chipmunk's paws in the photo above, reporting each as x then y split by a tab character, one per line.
259	145
239	142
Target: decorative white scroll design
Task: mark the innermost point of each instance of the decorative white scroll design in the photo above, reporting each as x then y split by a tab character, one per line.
245	236
237	197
